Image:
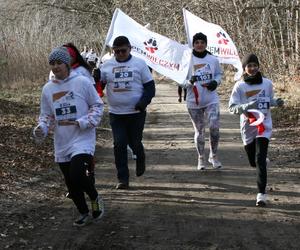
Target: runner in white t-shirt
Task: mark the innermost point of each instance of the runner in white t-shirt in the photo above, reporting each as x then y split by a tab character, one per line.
129	89
255	92
71	107
203	101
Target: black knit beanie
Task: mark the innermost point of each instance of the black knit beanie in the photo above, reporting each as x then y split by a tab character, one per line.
250	58
199	36
120	41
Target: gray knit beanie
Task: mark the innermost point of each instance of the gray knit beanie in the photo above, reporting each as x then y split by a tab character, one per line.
59	54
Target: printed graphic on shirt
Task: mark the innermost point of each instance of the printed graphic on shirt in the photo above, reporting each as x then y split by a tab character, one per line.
64	106
252	93
203	73
123	76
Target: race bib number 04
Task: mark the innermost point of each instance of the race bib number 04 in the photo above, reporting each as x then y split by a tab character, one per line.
263	103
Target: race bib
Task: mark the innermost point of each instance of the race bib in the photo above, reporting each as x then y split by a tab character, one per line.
126	76
122	79
204	74
66	113
263	104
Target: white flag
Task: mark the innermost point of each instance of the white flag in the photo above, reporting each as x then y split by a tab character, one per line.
164	55
218	41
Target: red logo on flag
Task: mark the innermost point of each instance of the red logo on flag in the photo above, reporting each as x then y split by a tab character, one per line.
151	45
222	38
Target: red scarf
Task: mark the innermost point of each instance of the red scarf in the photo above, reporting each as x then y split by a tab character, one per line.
260	127
195	90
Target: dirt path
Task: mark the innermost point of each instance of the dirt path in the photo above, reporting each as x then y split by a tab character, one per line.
174	206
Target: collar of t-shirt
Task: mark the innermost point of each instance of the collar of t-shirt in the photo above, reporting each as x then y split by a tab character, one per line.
129	57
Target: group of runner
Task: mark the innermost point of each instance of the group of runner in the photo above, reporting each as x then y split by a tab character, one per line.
72	108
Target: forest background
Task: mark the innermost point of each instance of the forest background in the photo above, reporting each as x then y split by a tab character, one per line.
31	188
29	29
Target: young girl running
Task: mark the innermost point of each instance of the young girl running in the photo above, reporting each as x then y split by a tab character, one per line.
71	107
255	92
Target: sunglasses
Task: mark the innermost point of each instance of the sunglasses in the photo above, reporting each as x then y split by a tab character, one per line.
118	51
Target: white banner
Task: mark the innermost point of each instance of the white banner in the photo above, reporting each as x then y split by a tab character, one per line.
218	41
164	55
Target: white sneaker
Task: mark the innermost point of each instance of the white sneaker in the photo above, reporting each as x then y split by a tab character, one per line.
261	200
132	155
201	164
268	162
216	164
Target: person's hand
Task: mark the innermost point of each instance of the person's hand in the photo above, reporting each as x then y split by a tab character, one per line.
39	134
279	102
212	85
141	106
193	79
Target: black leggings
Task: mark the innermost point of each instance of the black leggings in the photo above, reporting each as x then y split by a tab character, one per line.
257	154
77	180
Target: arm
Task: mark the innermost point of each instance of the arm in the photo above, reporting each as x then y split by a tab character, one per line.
46	117
235	103
218	74
275	102
217	77
93	117
148	94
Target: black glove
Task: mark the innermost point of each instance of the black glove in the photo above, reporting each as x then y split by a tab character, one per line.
279	102
193	79
141	106
212	85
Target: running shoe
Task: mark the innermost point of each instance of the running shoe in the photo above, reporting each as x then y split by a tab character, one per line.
122	185
97	208
268	162
130	151
140	166
201	164
261	200
216	164
83	220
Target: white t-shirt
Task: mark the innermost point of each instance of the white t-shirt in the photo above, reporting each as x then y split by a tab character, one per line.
71	99
125	81
244	93
83	54
206	69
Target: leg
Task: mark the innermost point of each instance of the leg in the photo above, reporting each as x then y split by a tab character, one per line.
91	171
261	155
65	169
118	124
179	92
80	182
251	151
198	120
135	134
213	115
